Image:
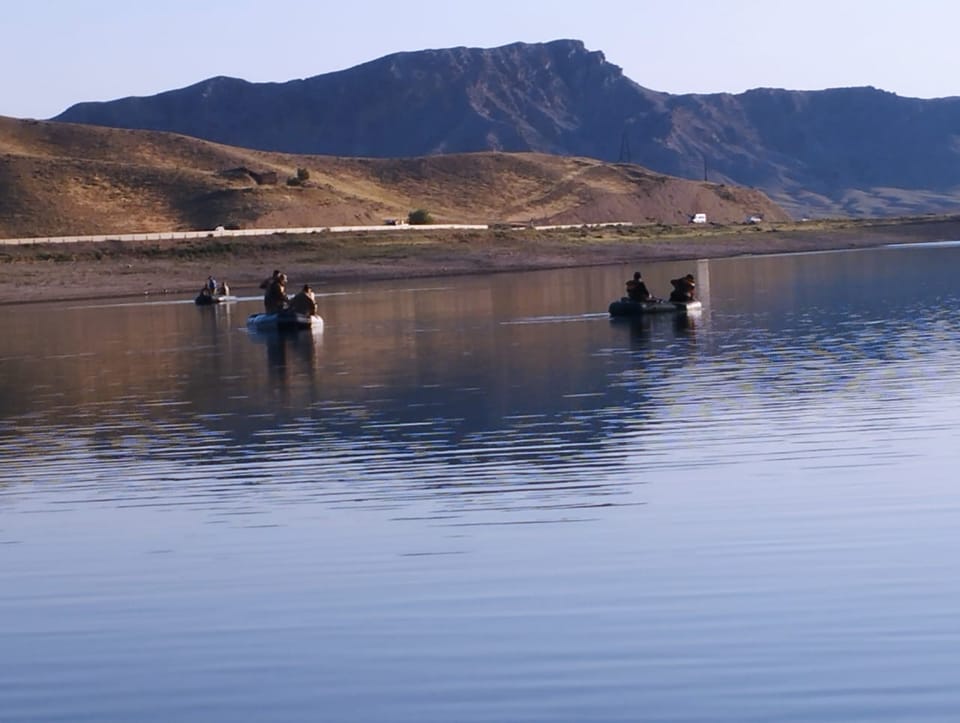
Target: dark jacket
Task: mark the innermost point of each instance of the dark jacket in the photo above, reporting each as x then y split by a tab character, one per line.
276	297
638	291
684	289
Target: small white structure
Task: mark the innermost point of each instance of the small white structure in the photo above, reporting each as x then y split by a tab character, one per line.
698	218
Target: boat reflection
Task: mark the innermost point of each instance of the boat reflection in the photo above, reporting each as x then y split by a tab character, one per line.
645	327
289	353
216	317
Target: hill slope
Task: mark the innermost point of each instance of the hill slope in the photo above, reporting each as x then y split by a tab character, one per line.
850	151
64	179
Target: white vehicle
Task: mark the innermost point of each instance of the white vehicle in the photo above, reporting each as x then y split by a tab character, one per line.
698	218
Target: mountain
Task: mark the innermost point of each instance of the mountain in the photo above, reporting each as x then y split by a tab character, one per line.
65	179
515	98
849	151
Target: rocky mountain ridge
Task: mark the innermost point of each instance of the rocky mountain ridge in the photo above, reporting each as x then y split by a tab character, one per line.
848	151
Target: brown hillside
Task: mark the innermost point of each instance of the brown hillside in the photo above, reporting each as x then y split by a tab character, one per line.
65	179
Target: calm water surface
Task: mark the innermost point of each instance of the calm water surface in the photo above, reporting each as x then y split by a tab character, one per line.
479	499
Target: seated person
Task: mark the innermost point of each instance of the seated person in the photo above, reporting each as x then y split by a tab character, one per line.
276	297
265	284
304	302
223	289
637	290
684	288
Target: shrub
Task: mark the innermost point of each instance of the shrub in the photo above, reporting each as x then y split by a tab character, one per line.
303	174
419	217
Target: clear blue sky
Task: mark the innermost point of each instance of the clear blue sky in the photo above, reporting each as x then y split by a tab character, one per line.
59	52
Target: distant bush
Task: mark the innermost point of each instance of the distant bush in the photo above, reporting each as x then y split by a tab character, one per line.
303	175
419	217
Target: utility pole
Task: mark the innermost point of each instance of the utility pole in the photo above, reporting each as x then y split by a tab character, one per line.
624	148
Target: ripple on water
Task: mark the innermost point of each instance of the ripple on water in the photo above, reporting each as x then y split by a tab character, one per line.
474	526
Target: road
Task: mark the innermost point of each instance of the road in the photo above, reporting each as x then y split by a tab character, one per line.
229	233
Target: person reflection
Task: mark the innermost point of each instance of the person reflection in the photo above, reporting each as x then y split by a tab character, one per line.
649	330
291	355
276	356
684	323
640	327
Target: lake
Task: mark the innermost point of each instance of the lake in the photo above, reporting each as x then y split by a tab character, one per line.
481	499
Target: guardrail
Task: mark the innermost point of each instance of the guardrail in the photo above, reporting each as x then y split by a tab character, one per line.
218	233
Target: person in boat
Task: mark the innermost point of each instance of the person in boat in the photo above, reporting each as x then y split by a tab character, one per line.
223	289
265	284
211	285
275	299
637	290
304	302
684	289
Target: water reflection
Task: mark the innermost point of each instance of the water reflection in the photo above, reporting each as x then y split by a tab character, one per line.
290	354
522	371
482	499
528	373
643	329
438	381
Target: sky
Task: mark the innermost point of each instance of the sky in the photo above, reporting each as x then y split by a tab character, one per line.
59	52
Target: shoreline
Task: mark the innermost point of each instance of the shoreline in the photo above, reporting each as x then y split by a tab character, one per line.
115	269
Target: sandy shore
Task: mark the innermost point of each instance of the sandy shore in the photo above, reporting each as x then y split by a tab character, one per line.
118	269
